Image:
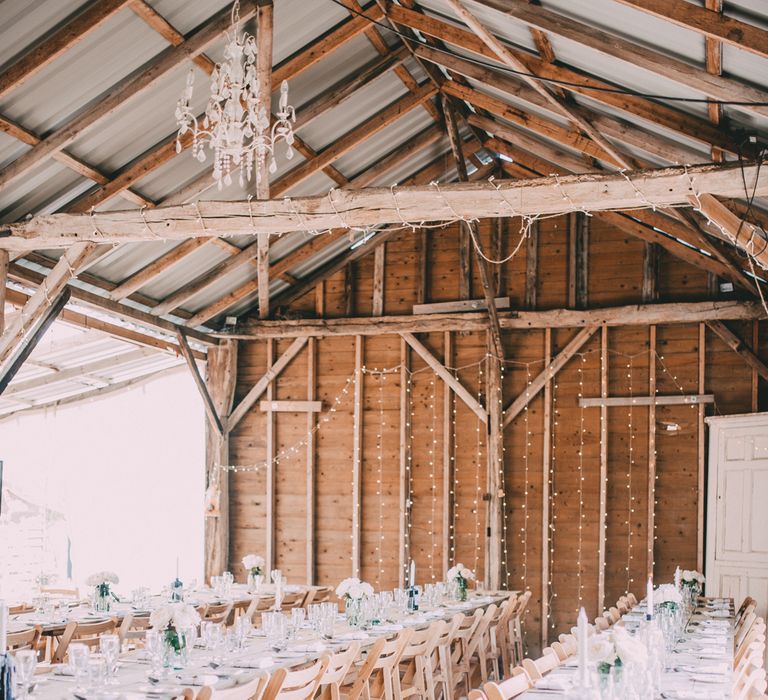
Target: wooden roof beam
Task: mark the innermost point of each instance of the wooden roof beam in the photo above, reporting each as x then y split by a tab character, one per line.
738	346
653	112
712	24
570	112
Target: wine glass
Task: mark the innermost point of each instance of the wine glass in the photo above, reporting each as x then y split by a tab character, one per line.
78	659
109	645
153	648
26	661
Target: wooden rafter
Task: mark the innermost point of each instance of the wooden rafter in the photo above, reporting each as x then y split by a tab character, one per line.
210	409
637	54
49	290
712	24
577	81
738	346
570	112
128	88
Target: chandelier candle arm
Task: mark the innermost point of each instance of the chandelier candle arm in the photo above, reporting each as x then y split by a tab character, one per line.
237	124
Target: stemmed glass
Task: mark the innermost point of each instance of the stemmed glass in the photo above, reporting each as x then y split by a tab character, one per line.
26	661
78	660
154	649
109	645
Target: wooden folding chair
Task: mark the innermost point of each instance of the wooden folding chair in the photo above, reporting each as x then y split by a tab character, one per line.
510	688
461	638
73	593
251	690
297	685
323	594
337	671
415	677
516	627
359	676
87	633
632	599
134	630
442	667
538	667
472	657
217	613
384	677
257	606
292	600
26	639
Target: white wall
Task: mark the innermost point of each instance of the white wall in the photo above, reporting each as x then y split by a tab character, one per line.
127	472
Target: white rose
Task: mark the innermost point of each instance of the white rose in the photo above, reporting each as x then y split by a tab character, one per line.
667	593
160	618
600	649
629	649
185	616
253	561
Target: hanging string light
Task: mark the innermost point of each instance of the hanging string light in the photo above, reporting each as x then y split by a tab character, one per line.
478	466
582	513
552	501
431	451
526	513
630	495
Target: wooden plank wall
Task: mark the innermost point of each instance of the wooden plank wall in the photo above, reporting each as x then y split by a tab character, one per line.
446	452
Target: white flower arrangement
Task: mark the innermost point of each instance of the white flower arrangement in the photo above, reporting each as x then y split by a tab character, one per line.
354	589
615	648
693	580
667	595
178	616
102	577
253	564
460	572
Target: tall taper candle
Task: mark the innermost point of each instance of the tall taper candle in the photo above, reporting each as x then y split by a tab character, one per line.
583	632
3	626
649	599
678	578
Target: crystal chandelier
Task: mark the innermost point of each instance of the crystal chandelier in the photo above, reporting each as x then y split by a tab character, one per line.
236	125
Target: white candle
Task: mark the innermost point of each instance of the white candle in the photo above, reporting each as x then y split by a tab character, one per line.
412	577
649	599
3	627
583	632
678	578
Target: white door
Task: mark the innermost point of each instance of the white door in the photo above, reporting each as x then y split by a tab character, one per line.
737	508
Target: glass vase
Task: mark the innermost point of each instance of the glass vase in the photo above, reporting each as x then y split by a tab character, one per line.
254	582
354	612
102	603
175	652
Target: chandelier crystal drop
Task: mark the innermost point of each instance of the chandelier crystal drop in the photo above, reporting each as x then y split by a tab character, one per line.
236	125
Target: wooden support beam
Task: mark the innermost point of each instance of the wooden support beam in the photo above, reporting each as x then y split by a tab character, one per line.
531	265
546	467
309	406
630	315
357	457
247	402
594	192
552	368
210	410
743	234
128	88
566	110
440	370
651	487
701	454
451	307
54	45
738	346
603	483
379	263
271	527
4	260
578	260
655	400
14	360
650	289
311	481
496	485
729	30
48	292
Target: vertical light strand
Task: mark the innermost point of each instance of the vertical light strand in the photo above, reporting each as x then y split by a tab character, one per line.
432	452
502	481
379	480
630	495
455	487
582	513
478	462
553	499
409	475
526	513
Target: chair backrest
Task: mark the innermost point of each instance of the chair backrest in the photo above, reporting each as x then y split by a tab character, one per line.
322	595
364	671
26	639
560	650
476	695
602	623
544	664
423	642
510	688
741	632
632	599
60	592
297	685
392	651
134	629
217	613
754	683
21	608
747	601
250	690
614	614
259	604
477	637
292	600
522	604
339	665
87	633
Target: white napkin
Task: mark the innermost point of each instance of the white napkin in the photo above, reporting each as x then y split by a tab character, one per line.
691	695
707	669
63	670
261	662
717	613
354	636
553	683
309	647
389	628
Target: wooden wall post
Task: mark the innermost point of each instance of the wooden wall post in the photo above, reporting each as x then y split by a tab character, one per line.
379	263
405	446
546	464
701	453
495	409
603	486
311	449
221	379
531	265
270	458
448	466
